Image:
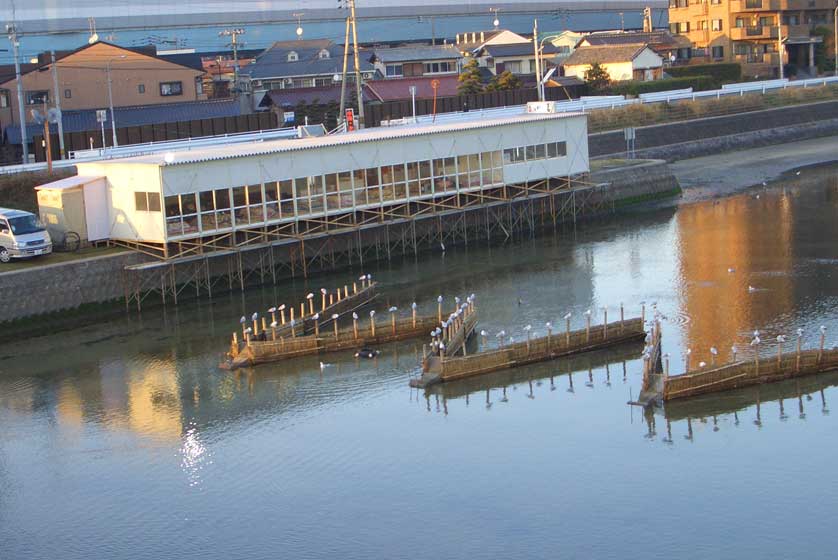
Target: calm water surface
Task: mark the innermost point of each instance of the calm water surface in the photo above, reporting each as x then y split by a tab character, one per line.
123	439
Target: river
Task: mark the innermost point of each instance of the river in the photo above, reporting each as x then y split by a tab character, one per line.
124	440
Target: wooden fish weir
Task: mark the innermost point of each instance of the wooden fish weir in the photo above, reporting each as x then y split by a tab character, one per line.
362	333
300	320
761	369
554	345
653	374
451	336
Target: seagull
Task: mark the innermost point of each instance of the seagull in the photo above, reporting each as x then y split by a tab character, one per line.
731	270
752	289
797	172
764	183
442	246
324	366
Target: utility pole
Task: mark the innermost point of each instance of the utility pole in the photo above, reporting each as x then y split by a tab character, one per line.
234	43
342	114
537	59
780	40
12	30
358	81
835	39
114	143
57	106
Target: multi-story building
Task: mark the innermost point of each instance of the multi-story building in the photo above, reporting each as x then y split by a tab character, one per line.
751	32
417	60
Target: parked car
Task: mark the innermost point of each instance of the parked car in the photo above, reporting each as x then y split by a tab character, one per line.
22	235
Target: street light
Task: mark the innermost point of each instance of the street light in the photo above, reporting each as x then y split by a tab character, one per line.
540	63
110	96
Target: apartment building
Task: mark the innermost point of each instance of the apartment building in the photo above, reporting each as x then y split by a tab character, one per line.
751	32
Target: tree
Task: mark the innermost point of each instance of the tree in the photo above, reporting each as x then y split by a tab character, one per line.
597	78
824	51
505	80
470	79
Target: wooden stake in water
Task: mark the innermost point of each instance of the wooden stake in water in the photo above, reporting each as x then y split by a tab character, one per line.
316	324
293	328
272	311
604	323
292	314
335	323
797	361
310	298
323	293
687	360
264	325
255	318
643	312
588	325
622	316
354	287
549	334
282	313
567	329
345	291
243	322
780	340
823	340
439	309
528	328
302	310
355	325
372	322
413	313
393	318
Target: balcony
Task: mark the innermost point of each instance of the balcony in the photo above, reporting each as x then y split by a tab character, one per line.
771	59
753	32
737	6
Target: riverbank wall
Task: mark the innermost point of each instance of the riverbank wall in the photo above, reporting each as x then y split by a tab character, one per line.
712	135
112	281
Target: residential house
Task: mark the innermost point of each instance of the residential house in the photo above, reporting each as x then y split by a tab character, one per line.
136	76
622	62
673	49
749	32
476	40
218	67
565	42
518	58
418	60
300	64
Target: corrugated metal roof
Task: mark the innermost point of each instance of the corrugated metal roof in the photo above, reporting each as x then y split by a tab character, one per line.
80	121
389	90
68	183
417	53
273	63
366	135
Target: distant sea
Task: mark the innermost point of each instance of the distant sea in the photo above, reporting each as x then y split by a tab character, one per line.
204	37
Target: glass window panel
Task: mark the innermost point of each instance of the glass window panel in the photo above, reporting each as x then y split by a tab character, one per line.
487	177
153	202
188	203
425	186
301	186
224	218
425	169
286	190
174	226
332	201
474	179
303	206
239	196
172	206
346	200
317	203
443	184
552	150
242	216
497	176
486	160
373	195
254	194
315	185
413	170
439	167
222	199
540	151
332	183
271	191
190	224
399	174
141	201
401	191
509	155
388	193
449	166
372	177
462	164
474	162
561	148
208	222
387	175
345	181
360	196
530	153
206	200
413	189
497	159
286	208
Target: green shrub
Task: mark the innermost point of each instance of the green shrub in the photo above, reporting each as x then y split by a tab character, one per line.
723	72
698	83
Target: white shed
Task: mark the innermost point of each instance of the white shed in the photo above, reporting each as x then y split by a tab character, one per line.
75	204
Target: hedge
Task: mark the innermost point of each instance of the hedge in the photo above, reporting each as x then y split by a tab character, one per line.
723	72
698	83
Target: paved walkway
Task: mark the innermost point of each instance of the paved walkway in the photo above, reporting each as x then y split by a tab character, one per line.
723	174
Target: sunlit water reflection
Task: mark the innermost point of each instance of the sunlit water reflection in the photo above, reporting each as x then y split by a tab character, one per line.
124	439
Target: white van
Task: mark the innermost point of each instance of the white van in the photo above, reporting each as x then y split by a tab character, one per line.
22	235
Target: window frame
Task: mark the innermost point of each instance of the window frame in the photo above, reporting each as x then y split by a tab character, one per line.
172	92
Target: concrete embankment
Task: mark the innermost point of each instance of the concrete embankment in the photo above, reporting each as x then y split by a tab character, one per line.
713	135
56	288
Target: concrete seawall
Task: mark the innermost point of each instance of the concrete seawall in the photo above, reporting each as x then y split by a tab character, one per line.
57	288
693	138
